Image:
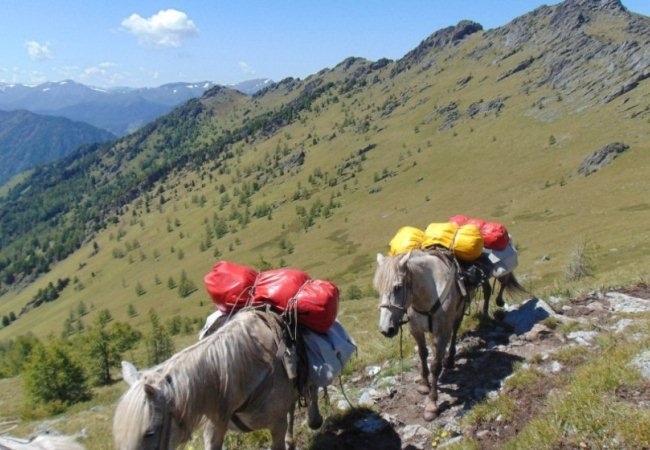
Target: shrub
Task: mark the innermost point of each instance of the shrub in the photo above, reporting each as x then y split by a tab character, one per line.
54	378
579	265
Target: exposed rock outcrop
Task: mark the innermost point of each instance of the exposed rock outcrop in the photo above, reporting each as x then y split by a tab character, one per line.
601	158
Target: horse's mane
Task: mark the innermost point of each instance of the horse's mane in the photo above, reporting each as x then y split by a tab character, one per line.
210	363
386	274
231	349
390	271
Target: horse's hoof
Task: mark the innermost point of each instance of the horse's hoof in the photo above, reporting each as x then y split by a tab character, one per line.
500	302
451	362
423	389
430	415
315	424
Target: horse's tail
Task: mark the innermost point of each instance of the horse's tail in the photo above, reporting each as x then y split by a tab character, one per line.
512	285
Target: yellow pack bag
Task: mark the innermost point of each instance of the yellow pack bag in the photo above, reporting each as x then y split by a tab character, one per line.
468	243
406	239
465	240
440	234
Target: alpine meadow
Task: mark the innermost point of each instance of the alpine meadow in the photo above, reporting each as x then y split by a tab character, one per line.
542	125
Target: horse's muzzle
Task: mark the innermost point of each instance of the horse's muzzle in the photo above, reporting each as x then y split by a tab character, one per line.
390	332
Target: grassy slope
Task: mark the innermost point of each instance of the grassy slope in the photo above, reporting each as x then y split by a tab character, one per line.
495	167
502	168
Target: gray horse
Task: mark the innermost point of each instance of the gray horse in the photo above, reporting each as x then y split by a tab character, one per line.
235	378
424	286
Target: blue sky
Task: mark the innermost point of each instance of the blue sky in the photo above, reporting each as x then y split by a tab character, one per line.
143	43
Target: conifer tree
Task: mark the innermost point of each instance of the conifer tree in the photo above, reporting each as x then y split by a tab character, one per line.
105	346
159	343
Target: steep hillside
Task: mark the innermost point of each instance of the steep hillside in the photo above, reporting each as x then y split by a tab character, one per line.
28	139
320	173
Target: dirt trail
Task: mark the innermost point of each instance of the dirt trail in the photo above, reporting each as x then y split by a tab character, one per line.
485	359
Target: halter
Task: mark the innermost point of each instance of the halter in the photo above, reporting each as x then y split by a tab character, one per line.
406	284
400	307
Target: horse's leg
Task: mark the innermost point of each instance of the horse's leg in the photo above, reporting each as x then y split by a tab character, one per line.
451	356
424	386
503	281
288	436
281	430
315	419
213	435
487	293
431	406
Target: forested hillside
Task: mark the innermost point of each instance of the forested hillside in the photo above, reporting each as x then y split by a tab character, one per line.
489	123
541	125
28	139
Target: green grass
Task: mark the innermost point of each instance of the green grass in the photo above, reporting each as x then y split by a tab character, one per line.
580	407
494	167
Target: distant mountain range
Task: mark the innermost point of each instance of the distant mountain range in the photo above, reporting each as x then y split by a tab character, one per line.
28	140
117	110
42	123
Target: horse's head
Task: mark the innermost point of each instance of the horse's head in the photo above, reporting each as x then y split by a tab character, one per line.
145	418
392	284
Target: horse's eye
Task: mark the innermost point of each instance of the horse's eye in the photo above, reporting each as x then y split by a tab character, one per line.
149	433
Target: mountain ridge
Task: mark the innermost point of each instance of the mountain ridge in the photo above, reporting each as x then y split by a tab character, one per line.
329	166
110	109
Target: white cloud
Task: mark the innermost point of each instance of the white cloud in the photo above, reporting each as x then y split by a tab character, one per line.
37	51
246	68
102	68
166	28
103	74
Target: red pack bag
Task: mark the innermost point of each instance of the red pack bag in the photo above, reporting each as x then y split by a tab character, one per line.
278	286
480	223
316	304
230	284
495	236
459	219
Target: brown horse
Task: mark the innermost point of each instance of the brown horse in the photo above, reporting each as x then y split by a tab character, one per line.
424	286
235	378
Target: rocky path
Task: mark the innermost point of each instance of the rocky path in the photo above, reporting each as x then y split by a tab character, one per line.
486	358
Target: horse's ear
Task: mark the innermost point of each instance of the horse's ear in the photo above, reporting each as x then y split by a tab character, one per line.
380	258
130	373
403	259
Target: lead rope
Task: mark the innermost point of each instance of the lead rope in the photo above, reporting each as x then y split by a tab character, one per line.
345	396
401	354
